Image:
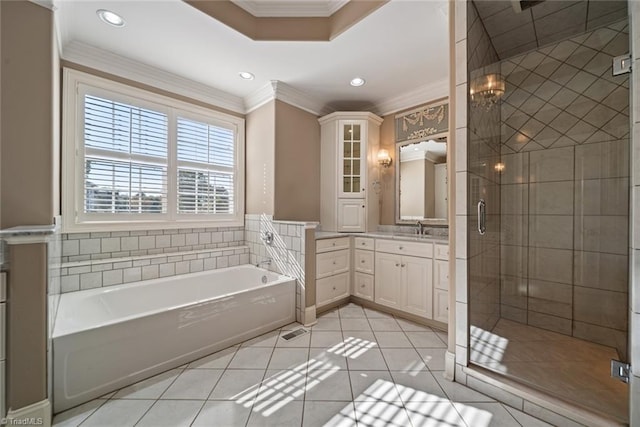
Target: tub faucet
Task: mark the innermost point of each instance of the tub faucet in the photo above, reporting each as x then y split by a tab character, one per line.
266	261
420	229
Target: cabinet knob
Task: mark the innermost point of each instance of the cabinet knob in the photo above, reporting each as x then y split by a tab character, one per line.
397	265
362	286
334	288
362	243
402	265
333	244
363	206
334	263
362	189
362	261
400	248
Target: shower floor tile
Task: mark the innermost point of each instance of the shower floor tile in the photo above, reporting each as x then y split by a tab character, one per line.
575	370
387	371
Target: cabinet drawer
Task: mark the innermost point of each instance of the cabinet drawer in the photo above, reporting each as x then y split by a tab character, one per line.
363	261
364	243
441	305
441	274
330	263
441	251
325	245
405	248
332	288
363	286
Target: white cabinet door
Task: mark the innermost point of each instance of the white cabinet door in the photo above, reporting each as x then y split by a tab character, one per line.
351	215
441	274
352	159
363	286
388	280
331	289
417	278
363	261
441	305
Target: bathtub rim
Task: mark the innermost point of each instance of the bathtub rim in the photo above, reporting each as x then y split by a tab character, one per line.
56	333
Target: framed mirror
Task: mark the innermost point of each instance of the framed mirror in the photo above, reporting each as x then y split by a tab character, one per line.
421	181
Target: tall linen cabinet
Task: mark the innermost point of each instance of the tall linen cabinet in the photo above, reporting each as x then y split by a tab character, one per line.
349	185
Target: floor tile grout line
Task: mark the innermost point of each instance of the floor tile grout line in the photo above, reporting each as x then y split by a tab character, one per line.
104	401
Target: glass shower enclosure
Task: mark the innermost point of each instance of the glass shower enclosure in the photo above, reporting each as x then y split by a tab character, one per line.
548	197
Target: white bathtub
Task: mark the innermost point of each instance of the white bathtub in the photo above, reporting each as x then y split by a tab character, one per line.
107	338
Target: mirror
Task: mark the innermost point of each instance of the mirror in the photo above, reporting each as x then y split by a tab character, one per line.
421	181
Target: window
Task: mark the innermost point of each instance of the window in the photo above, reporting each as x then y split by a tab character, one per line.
134	157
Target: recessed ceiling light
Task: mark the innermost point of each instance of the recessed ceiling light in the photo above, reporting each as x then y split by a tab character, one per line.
110	18
246	75
358	81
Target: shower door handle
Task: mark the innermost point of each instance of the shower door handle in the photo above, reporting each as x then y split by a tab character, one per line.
482	217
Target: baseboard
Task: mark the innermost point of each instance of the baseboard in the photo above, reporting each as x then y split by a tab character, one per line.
449	366
310	316
38	413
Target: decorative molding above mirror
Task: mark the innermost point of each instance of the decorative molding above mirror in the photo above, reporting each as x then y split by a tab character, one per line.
421	165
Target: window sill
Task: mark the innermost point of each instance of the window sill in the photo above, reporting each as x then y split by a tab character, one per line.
108	226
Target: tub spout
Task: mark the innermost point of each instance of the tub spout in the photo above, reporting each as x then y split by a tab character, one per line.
265	262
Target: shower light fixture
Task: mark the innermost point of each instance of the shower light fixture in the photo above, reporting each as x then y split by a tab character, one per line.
487	90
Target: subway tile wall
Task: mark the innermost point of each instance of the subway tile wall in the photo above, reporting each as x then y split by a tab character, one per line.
565	188
287	252
92	260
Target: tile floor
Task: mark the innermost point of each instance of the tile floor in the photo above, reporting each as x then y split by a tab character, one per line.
357	367
575	370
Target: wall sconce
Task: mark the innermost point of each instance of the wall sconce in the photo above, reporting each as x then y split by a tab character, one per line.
384	158
487	90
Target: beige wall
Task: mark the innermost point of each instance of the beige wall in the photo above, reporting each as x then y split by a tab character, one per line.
26	114
260	151
387	176
27	325
297	164
29	146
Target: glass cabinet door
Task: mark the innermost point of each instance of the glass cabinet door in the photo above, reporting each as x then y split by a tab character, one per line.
351	162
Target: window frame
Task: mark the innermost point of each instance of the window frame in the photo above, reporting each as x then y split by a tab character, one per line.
74	219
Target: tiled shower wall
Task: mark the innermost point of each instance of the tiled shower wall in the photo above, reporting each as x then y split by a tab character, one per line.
287	253
91	260
565	188
483	183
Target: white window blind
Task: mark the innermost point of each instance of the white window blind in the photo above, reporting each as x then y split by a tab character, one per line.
205	168
125	164
137	160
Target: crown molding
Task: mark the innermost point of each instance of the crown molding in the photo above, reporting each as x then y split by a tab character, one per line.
108	62
420	95
269	9
283	92
47	4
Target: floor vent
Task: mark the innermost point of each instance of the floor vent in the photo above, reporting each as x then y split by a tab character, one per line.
294	334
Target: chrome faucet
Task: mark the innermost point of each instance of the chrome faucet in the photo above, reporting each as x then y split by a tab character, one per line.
266	261
420	229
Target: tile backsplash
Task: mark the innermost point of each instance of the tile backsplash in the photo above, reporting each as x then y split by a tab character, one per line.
92	260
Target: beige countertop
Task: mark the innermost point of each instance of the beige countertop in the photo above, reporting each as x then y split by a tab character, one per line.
385	235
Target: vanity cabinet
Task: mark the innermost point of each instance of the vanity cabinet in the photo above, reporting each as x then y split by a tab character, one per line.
402	280
348	149
333	270
441	283
364	268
